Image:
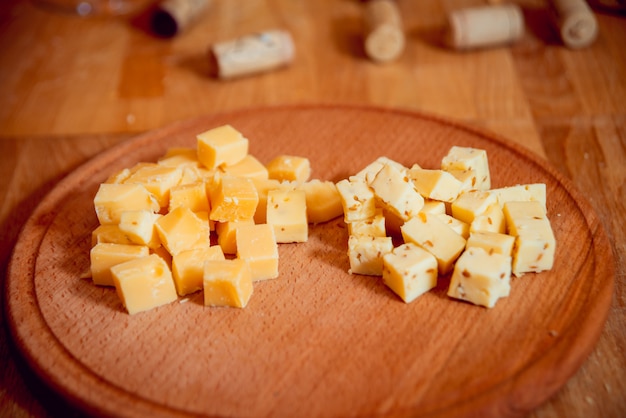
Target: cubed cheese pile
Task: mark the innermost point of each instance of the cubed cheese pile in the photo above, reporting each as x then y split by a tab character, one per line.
206	219
450	220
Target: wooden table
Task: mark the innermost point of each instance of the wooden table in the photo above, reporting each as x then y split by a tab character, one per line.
72	87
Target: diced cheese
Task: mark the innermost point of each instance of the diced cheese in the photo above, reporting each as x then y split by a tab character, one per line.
249	167
286	213
471	204
181	229
188	267
433	206
521	193
366	254
468	158
223	145
396	192
374	167
535	244
112	199
435	236
104	256
323	202
290	168
192	195
357	199
227	283
481	278
158	180
111	234
466	177
263	186
226	234
138	225
236	198
373	227
257	245
435	184
460	227
409	271
492	219
180	157
492	242
144	283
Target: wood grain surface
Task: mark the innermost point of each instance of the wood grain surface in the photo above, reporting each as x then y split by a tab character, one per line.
317	341
74	87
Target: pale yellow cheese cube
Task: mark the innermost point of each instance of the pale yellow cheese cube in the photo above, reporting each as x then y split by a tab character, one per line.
236	198
112	199
290	168
535	243
466	177
366	254
188	267
111	234
249	167
158	180
181	229
119	176
410	271
373	227
191	195
357	199
286	213
323	202
226	234
435	184
481	278
460	227
521	193
435	236
491	242
257	245
433	206
369	171
468	158
104	256
138	225
223	145
491	220
179	157
396	192
227	283
144	283
471	204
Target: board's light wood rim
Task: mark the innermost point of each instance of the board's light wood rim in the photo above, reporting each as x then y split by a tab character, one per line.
31	333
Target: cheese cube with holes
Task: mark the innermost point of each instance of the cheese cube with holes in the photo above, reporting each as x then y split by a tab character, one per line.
188	267
223	145
435	184
249	167
227	283
138	225
468	158
191	195
144	283
257	245
535	243
357	199
396	192
492	219
181	230
104	256
289	168
366	254
410	271
112	199
226	234
492	242
323	202
471	204
435	236
286	213
235	198
373	227
481	278
158	179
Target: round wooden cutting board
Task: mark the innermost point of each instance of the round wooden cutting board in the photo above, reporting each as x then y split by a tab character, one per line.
317	341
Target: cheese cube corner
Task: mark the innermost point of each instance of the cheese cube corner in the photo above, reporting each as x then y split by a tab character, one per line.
395	191
366	254
221	145
409	271
188	267
286	213
227	283
357	199
235	198
468	158
181	229
323	202
114	198
257	245
103	256
290	168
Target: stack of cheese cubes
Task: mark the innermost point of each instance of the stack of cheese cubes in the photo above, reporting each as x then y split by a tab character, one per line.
450	221
206	219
